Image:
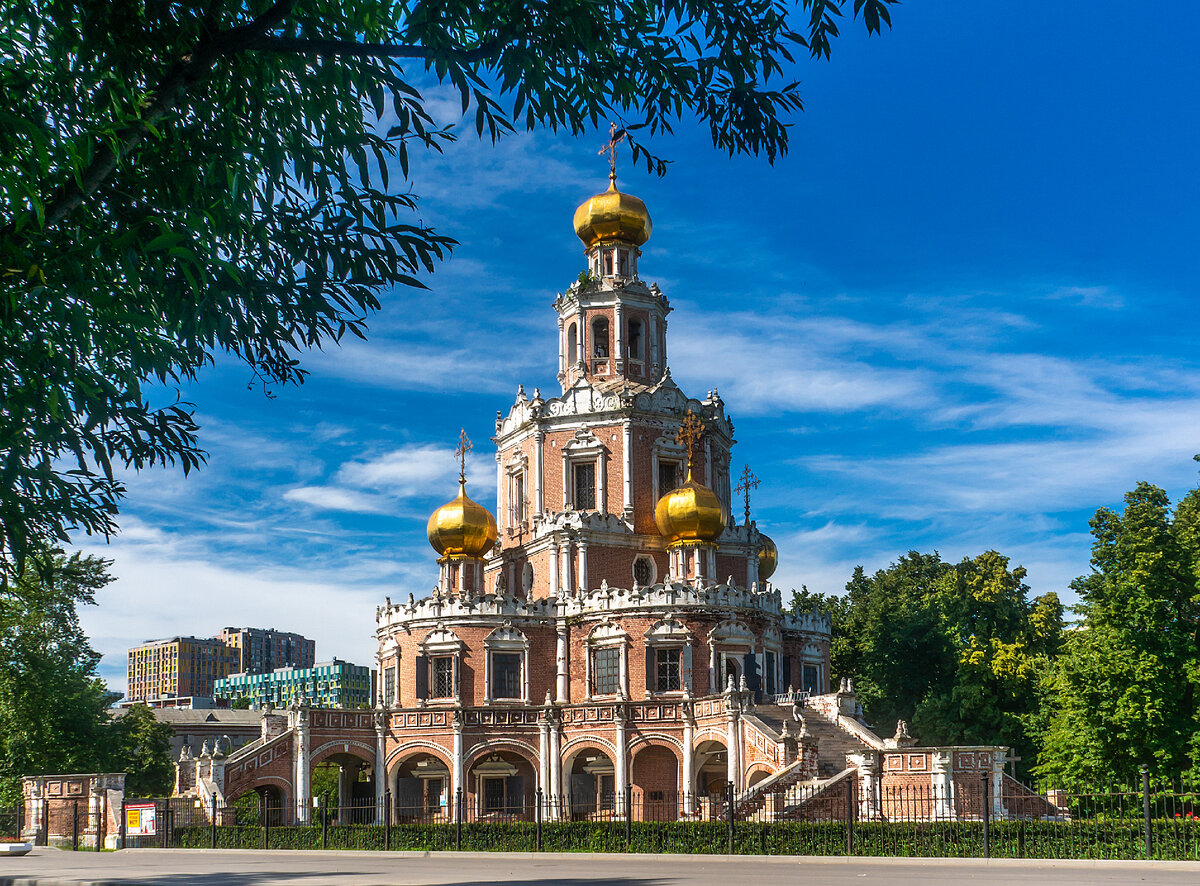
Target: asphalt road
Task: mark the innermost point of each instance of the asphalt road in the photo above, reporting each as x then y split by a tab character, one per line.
181	867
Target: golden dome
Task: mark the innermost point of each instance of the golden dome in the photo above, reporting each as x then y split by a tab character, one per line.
612	216
768	557
692	512
461	528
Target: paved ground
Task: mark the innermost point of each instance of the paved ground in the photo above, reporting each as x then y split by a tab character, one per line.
157	867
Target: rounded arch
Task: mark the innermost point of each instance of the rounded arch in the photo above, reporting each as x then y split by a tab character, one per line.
709	734
500	745
657	739
655	778
574	744
342	747
755	773
572	344
417	746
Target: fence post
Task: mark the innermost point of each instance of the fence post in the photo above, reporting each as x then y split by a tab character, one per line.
265	811
161	823
387	821
122	827
458	817
75	826
538	818
325	821
729	816
1146	811
987	816
212	827
850	816
45	823
101	821
628	816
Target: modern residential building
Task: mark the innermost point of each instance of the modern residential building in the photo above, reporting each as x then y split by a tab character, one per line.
262	650
327	684
177	667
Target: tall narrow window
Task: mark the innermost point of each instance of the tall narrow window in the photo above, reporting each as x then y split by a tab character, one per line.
608	262
516	497
668	477
600	337
606	671
506	675
667	661
769	673
623	262
389	686
811	679
443	676
585	487
635	339
572	345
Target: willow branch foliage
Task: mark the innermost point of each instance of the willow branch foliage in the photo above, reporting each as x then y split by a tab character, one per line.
183	179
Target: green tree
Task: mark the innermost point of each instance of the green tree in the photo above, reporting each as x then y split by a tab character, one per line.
1123	693
241	703
53	707
141	748
955	649
182	179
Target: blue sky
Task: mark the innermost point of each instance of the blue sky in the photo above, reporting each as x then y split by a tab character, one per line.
959	315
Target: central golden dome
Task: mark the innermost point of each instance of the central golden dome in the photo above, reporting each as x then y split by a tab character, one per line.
612	216
461	528
692	512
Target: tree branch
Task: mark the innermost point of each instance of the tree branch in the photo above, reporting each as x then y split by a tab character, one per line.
272	43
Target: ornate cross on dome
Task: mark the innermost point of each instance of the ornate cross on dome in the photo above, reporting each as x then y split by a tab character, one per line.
746	483
615	137
690	432
464	446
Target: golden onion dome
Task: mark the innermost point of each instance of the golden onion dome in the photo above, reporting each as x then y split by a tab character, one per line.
768	556
612	216
461	528
691	512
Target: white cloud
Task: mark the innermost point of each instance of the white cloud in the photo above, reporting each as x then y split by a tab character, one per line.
332	498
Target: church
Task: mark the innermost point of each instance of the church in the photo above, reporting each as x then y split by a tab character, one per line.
608	638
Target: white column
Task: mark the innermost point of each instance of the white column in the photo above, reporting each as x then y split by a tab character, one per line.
479	588
582	350
562	351
734	750
561	688
555	583
620	771
539	476
380	770
456	761
544	757
942	782
501	511
303	800
555	767
623	671
602	483
627	468
688	776
664	342
652	341
566	566
713	684
619	336
752	568
583	565
568	487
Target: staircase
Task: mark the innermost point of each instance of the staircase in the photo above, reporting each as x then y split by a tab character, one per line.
833	742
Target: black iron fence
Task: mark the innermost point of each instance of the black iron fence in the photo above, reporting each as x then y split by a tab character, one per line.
960	817
65	822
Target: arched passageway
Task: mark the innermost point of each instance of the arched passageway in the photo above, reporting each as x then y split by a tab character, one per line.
655	780
591	784
420	789
501	785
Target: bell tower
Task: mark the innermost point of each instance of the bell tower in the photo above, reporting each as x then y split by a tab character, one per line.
612	327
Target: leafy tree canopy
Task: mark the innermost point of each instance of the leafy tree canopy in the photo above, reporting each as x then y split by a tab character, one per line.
142	750
1123	693
185	179
955	649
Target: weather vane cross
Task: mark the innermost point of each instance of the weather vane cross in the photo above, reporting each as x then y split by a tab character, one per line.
690	432
746	483
615	137
464	446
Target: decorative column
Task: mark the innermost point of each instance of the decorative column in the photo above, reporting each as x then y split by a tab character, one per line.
998	809
303	800
560	660
456	758
555	581
618	338
867	765
733	743
602	483
544	752
688	778
942	782
620	770
714	685
381	778
502	515
627	469
583	565
565	578
555	767
539	471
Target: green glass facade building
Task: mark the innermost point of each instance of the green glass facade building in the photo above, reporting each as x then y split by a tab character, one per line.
327	684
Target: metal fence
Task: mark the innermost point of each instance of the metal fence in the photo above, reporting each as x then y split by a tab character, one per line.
56	821
967	817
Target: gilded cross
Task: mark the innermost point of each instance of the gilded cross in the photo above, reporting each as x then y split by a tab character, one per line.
615	137
464	446
690	432
746	483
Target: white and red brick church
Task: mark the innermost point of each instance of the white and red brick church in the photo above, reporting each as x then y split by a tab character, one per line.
610	629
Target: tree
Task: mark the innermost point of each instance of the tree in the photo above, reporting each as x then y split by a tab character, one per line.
183	179
955	649
1123	693
142	750
53	708
241	703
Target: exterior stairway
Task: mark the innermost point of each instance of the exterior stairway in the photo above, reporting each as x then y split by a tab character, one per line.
833	742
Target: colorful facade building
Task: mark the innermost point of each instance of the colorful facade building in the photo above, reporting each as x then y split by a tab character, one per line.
610	635
180	667
262	650
327	684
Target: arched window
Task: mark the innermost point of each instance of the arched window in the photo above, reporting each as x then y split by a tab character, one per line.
572	345
635	339
600	337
